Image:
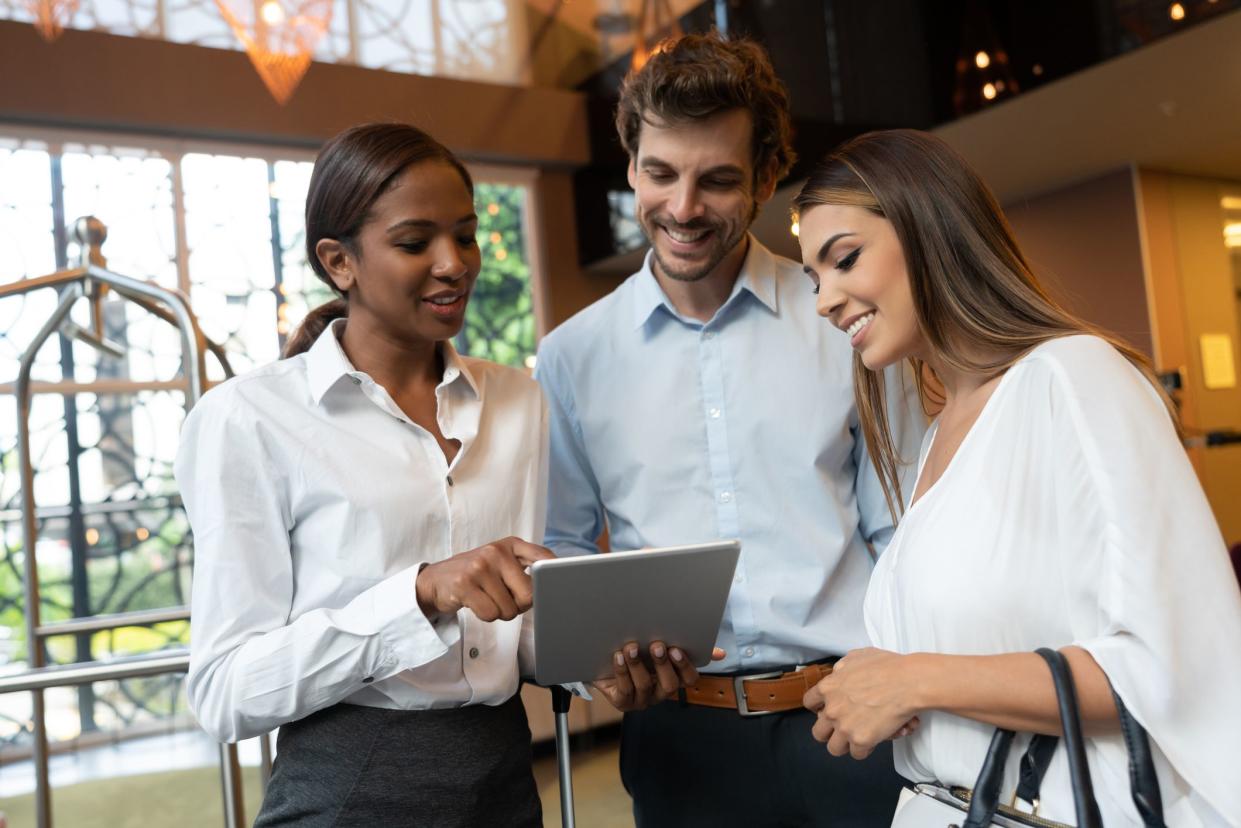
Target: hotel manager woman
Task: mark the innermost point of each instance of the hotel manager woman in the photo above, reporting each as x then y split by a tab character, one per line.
358	580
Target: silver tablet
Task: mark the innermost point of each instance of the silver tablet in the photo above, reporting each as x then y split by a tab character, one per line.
588	607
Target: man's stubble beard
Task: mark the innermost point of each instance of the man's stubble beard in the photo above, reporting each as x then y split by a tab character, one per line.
720	252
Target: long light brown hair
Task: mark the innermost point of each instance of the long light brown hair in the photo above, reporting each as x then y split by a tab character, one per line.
973	290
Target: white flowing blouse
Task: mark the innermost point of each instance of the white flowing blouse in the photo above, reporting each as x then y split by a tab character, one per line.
1070	515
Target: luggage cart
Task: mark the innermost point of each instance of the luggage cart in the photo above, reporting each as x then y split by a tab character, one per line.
92	282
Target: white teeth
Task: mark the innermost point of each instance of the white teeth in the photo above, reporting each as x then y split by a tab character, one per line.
444	300
685	238
859	324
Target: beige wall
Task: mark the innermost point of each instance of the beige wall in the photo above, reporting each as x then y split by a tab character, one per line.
1192	289
1083	241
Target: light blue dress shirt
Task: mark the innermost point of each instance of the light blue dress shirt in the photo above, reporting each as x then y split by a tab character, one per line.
670	431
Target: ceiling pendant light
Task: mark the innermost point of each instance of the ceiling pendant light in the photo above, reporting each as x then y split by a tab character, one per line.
657	28
280	37
50	16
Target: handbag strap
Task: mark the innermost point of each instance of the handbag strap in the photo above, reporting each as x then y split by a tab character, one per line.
1088	815
986	796
1143	782
1034	764
985	800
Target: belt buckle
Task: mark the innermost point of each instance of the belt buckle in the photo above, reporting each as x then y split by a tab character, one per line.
739	692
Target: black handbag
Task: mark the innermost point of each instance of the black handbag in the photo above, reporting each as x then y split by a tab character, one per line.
935	805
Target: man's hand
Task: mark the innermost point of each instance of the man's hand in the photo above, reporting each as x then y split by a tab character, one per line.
491	581
637	683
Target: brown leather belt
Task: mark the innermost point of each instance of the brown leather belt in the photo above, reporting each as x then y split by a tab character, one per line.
760	694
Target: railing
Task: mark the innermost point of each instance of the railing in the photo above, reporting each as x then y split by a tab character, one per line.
93	282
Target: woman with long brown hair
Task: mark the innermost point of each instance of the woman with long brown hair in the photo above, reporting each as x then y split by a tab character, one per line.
359	510
1054	505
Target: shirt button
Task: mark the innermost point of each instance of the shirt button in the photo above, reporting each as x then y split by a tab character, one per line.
450	480
356	380
473	652
368	679
738	579
715	413
749	651
726	497
709	335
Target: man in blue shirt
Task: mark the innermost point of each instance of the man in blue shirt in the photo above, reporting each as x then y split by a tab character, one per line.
705	399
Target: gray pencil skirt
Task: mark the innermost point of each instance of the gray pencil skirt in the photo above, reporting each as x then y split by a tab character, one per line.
349	765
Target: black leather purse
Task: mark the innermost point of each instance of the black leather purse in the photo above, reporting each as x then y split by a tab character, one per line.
981	807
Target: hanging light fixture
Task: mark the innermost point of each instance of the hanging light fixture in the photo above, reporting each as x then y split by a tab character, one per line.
657	28
50	16
983	73
280	37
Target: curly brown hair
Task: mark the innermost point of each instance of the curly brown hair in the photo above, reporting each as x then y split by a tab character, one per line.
702	74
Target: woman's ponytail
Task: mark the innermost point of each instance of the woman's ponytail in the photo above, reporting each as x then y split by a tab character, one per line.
313	325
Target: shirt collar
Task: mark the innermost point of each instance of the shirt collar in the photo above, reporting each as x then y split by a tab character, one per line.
327	364
757	276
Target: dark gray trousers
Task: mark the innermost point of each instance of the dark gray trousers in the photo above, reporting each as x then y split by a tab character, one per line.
349	765
687	765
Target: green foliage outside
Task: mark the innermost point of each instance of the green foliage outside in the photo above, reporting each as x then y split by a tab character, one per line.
499	323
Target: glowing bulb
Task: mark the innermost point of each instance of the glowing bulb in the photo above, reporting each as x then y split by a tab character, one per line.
1230	202
988	91
92	536
795	229
1233	229
142	533
1037	69
999	86
1176	11
493	209
501	254
496	238
982	60
530	361
272	13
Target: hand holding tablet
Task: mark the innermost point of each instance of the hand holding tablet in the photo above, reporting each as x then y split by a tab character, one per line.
589	608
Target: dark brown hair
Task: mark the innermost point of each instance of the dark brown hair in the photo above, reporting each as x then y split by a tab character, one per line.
704	74
352	171
973	290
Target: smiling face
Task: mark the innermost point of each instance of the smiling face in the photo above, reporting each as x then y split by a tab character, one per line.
695	191
856	263
410	269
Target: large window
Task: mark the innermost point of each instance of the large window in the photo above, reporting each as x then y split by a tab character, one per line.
473	39
223	224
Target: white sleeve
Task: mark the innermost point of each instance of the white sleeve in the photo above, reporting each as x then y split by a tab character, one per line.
251	668
1162	613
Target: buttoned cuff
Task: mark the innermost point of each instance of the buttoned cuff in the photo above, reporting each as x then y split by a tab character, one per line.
408	639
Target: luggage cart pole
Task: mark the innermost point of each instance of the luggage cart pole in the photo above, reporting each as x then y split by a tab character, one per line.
561	699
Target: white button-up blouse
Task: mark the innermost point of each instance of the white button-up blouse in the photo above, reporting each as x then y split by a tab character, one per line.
314	501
